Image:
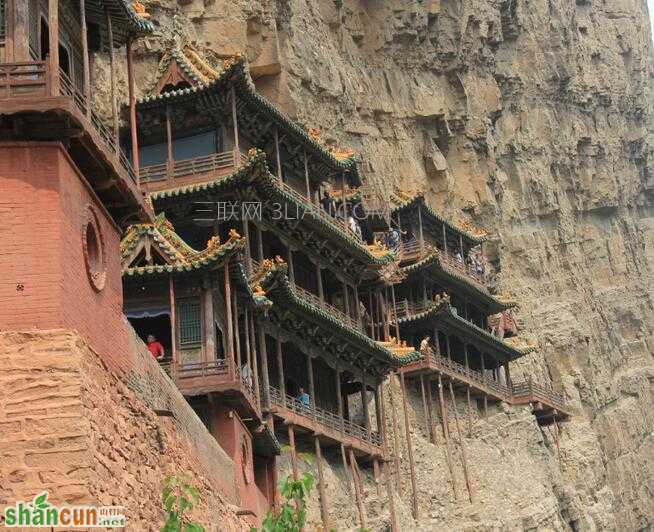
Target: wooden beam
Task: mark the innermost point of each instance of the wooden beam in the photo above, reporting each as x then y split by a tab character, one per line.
432	430
209	328
396	439
169	145
237	149
291	443
237	334
112	75
265	381
321	293
278	156
307	184
397	323
280	370
391	499
357	490
255	362
424	405
173	321
407	431
345	467
364	403
53	45
446	435
461	445
312	389
420	233
132	110
324	510
85	56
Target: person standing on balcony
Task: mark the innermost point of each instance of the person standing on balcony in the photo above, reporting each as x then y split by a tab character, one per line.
327	202
424	345
303	397
155	347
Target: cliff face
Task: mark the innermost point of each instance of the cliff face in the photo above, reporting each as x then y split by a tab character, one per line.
534	120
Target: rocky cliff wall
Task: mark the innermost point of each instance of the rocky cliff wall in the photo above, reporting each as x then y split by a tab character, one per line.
534	120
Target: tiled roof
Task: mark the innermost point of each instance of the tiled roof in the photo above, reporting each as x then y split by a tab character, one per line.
409	204
256	172
433	259
280	290
442	310
180	257
235	74
191	62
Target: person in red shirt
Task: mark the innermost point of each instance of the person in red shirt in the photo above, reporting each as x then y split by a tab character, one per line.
155	347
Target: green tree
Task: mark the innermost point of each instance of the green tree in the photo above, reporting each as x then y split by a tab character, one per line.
179	497
293	513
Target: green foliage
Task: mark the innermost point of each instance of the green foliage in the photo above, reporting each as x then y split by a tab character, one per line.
179	497
293	513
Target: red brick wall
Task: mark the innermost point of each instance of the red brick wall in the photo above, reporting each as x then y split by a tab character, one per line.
43	211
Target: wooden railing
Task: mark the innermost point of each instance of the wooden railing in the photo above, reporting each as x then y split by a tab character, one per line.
195	165
539	392
207	368
22	79
328	419
318	211
406	308
462	267
329	308
69	89
456	370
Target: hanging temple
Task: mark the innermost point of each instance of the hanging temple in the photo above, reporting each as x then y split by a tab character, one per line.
283	289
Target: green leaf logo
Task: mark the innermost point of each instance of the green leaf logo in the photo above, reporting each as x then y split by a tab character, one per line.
40	501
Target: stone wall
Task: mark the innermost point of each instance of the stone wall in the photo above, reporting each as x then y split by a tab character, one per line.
69	425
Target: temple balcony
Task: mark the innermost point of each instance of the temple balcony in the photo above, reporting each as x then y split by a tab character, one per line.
179	173
216	376
548	405
328	426
46	106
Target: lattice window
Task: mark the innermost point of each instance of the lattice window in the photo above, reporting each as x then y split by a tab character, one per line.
190	330
2	22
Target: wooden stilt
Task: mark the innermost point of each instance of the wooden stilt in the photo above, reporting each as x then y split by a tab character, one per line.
407	430
375	474
173	322
291	442
85	56
461	444
278	156
446	435
357	490
229	332
324	510
237	334
424	406
132	111
396	439
306	177
345	467
237	148
280	370
312	387
321	292
53	46
209	351
112	72
469	411
364	403
397	323
557	434
265	381
432	430
391	498
255	362
260	244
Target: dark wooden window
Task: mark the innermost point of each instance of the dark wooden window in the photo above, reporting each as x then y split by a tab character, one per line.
190	330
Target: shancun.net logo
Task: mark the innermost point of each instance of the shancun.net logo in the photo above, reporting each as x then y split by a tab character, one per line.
40	513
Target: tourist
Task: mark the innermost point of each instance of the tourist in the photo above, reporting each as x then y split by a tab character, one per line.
354	226
459	257
155	347
246	374
424	345
327	202
393	239
303	397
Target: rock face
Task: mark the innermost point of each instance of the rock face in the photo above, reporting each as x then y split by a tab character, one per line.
531	119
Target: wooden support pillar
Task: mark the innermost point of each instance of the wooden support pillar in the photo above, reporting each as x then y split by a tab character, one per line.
312	389
444	239
248	352
396	439
112	75
483	376
424	404
307	183
357	490
278	157
461	445
507	375
324	510
373	332
345	467
463	258
391	499
339	397
260	243
387	331
346	299
420	233
291	269
343	197
132	111
173	322
364	402
375	474
229	333
237	148
85	55
447	346
397	322
265	381
432	432
407	431
321	292
291	443
280	370
248	251
378	413
469	411
446	435
557	434
255	362
169	145
357	307
209	323
237	334
53	44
